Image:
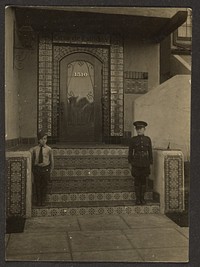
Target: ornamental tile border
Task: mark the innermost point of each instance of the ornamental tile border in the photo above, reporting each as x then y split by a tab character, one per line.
87	162
91	152
91	172
16	186
48	100
174	183
95	196
50	212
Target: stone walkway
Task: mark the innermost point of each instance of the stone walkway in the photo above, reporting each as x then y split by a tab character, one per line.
120	238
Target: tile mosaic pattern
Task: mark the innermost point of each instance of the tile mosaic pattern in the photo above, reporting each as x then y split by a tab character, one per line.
45	83
88	39
49	212
174	186
49	56
91	152
135	82
116	86
85	162
91	173
91	184
16	172
85	157
95	196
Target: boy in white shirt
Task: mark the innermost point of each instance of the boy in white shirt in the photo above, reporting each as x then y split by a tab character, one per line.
42	166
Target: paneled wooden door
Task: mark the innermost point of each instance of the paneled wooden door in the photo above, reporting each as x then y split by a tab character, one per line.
80	98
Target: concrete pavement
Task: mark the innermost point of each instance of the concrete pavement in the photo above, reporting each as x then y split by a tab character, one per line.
108	238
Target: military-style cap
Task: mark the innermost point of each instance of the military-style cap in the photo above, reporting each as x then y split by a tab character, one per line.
41	134
140	124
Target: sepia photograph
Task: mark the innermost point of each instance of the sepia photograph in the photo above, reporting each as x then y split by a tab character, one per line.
97	133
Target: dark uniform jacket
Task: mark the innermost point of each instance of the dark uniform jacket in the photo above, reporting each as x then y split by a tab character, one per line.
140	151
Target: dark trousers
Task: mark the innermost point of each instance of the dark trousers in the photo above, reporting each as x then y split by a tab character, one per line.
41	178
140	177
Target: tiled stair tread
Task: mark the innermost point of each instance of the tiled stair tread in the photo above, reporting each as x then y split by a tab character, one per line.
70	145
93	157
59	197
89	190
122	203
92	165
92	195
90	178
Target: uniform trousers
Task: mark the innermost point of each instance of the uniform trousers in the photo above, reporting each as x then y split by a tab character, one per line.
41	178
140	174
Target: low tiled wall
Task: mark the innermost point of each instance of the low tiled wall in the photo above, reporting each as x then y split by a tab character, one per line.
168	172
167	175
19	184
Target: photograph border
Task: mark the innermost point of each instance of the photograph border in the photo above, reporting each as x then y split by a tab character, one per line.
194	229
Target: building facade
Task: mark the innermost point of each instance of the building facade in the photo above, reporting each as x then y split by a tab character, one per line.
79	70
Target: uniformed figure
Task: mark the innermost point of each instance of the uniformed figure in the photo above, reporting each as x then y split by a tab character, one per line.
140	157
42	166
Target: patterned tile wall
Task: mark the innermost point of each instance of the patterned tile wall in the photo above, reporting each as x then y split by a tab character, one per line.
116	87
174	183
16	172
45	83
155	209
50	54
135	82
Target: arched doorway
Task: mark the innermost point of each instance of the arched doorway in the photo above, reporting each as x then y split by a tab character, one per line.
80	117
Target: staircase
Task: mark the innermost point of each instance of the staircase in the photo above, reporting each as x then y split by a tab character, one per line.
92	181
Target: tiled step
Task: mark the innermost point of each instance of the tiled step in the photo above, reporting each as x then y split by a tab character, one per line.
95	208
91	184
90	162
111	196
90	172
91	151
92	181
94	157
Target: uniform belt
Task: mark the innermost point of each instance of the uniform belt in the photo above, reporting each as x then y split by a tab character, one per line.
42	168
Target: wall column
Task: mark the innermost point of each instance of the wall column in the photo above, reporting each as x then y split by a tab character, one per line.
168	179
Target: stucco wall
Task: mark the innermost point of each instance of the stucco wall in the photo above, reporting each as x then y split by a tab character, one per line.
167	111
28	94
140	56
12	130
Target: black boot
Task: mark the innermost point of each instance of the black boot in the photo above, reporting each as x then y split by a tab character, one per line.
137	194
143	190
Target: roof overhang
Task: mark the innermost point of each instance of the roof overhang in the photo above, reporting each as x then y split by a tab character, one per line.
146	23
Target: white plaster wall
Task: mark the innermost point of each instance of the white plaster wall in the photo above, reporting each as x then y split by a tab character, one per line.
167	111
28	94
11	80
179	65
139	56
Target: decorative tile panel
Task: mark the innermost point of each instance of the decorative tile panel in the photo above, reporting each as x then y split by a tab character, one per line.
45	83
95	197
91	152
91	172
116	86
135	82
49	212
174	183
94	39
16	171
49	56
